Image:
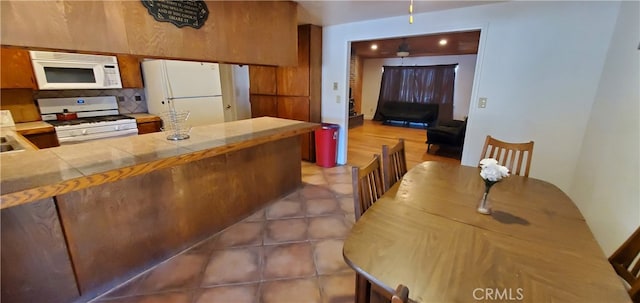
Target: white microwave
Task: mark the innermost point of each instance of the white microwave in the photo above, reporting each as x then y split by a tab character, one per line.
55	70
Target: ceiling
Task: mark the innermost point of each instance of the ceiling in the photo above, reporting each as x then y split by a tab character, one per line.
328	13
458	43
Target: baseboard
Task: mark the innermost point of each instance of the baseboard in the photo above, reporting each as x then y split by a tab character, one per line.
356	120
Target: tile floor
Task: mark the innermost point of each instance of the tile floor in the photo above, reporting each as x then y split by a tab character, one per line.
290	251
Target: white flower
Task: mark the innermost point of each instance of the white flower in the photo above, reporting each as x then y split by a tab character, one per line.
492	171
488	161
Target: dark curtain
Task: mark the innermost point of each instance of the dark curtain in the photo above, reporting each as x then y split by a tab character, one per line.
419	84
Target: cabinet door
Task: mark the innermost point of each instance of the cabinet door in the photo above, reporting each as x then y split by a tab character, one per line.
43	140
297	108
148	127
294	80
15	69
130	71
262	80
263	106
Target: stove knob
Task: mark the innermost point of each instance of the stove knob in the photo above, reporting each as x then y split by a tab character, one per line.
84	132
117	127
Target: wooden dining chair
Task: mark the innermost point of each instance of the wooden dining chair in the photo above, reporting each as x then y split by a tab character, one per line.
515	156
625	263
394	163
401	295
368	185
380	295
634	291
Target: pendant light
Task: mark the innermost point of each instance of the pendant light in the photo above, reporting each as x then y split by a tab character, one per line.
411	12
403	49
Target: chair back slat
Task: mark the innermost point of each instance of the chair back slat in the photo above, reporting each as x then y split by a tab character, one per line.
626	263
634	292
515	156
368	185
401	295
625	258
394	163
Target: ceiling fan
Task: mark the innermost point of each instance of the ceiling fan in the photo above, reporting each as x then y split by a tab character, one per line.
403	49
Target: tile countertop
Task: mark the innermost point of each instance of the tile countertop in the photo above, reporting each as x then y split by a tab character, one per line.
36	127
14	134
31	175
144	117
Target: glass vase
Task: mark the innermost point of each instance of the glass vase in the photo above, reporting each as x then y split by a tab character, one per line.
484	207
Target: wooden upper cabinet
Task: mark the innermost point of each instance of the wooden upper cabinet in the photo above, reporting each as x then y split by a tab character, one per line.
262	80
130	72
15	69
294	80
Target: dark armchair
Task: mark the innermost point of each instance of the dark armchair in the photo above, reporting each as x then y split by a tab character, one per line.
449	133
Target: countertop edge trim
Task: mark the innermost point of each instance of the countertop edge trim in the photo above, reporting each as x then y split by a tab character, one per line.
46	191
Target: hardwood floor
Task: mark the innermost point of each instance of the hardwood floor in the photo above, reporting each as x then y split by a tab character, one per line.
366	140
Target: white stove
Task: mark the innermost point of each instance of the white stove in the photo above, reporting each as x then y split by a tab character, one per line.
97	118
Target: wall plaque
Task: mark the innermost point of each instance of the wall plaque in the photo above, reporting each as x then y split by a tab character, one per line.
181	13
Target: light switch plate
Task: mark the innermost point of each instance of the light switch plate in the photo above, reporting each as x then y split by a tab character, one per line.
482	103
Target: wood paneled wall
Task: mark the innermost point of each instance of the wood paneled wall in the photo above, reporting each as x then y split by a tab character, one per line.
251	32
120	229
35	264
355	81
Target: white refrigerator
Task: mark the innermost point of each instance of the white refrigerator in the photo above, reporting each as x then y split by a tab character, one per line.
188	86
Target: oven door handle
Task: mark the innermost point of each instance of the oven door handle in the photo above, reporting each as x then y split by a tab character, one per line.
106	135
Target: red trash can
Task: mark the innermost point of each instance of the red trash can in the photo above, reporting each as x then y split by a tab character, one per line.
327	144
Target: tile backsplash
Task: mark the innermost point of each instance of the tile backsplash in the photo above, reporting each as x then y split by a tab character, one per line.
127	103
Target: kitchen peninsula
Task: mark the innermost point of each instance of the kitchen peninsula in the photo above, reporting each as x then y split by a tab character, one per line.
78	220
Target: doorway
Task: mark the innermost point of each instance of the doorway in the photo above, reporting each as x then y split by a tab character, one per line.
369	57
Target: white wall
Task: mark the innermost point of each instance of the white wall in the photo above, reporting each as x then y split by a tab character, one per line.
606	186
372	77
539	65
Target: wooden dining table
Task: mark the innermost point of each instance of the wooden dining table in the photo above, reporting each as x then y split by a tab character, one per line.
535	246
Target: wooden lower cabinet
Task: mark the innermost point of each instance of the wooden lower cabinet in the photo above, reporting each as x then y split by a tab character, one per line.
149	127
294	108
264	106
297	108
43	140
287	107
35	264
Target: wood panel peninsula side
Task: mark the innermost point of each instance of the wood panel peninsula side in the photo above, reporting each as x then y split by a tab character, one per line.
77	220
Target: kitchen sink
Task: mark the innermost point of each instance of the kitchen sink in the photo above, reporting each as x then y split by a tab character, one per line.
9	144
